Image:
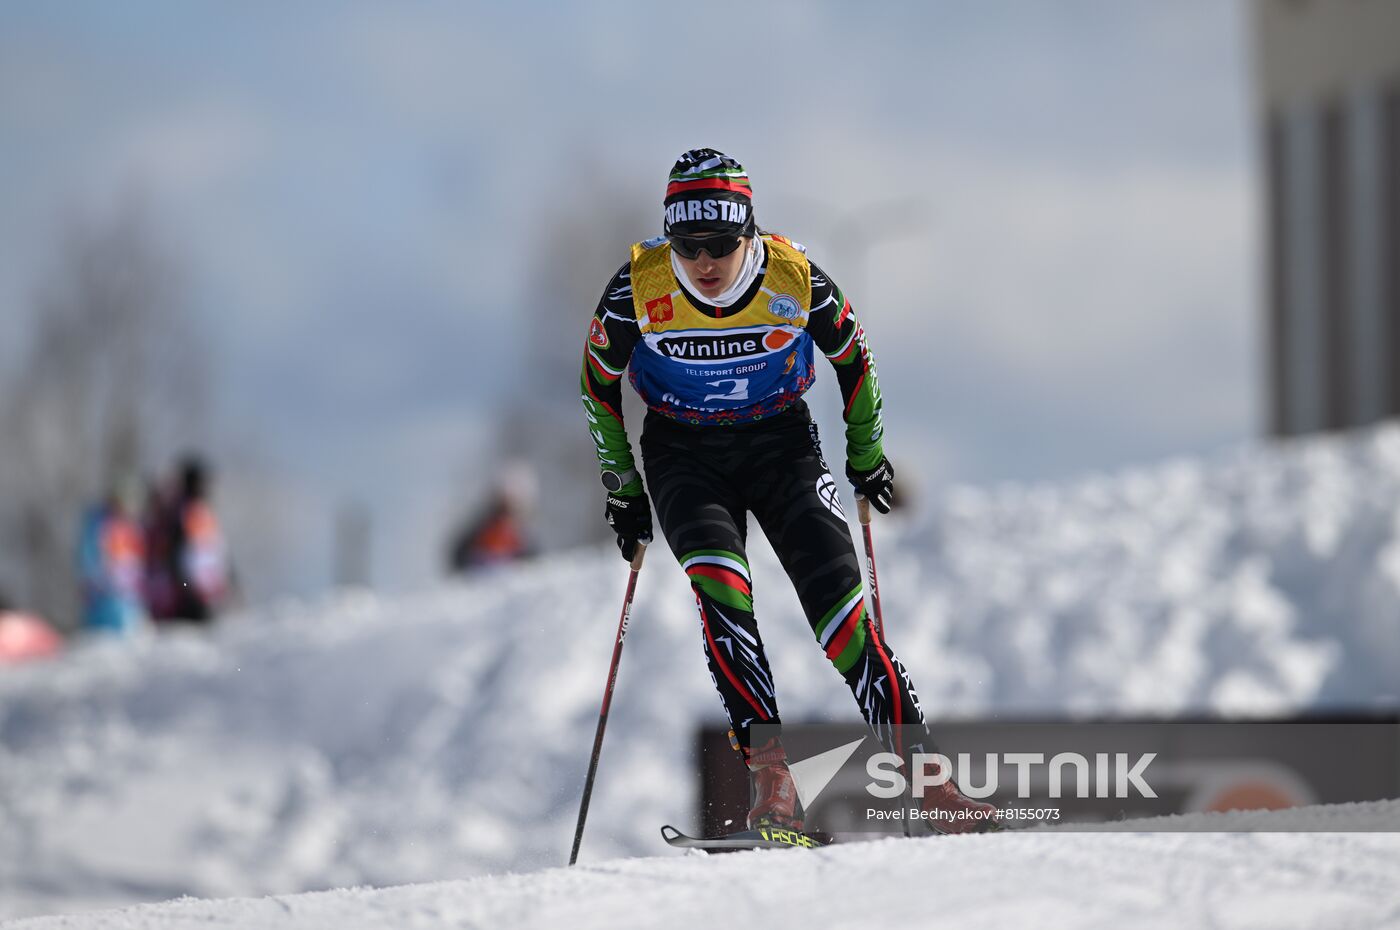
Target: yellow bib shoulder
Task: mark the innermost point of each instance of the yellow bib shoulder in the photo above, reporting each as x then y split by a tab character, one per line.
660	304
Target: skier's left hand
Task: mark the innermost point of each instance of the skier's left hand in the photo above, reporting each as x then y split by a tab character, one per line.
875	484
630	518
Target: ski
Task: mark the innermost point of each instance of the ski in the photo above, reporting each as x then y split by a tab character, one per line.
762	838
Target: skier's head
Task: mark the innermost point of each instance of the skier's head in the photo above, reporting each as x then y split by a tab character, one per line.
709	215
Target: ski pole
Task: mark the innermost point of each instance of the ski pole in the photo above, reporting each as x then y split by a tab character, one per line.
863	511
607	699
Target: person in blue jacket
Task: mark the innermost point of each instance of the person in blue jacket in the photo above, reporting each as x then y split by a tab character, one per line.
111	558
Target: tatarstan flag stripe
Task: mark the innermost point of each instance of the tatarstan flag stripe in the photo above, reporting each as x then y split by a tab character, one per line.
730	176
716	557
722	593
843	354
828	625
602	370
736	177
845	311
845	631
722	575
719	184
855	645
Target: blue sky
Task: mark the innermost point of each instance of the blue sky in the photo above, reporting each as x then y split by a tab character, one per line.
359	190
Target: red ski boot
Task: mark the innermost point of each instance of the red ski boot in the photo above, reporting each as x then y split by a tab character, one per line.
772	792
948	810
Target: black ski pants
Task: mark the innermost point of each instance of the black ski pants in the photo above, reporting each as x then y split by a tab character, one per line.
704	480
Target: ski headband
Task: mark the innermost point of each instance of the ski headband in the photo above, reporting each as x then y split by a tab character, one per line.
708	192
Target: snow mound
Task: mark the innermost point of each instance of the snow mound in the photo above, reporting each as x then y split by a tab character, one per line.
382	741
1037	878
1258	583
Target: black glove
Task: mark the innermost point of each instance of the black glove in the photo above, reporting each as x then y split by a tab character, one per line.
876	485
630	518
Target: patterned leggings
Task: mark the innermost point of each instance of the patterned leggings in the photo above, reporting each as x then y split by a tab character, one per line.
703	480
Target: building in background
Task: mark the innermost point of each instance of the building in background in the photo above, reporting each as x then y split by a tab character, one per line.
1329	106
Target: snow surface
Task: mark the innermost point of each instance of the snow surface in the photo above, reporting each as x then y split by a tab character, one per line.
365	741
1036	879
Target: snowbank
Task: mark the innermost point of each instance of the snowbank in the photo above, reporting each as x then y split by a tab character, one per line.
374	741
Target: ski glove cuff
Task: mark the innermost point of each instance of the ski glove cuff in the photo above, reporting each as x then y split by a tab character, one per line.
630	518
875	484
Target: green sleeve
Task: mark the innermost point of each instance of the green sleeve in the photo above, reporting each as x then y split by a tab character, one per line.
612	336
833	326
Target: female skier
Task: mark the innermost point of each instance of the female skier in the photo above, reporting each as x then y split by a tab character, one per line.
715	321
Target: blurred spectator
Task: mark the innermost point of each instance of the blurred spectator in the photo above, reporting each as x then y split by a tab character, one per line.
111	560
24	636
192	546
497	534
158	526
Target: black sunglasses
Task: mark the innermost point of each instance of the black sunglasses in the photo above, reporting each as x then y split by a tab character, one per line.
717	245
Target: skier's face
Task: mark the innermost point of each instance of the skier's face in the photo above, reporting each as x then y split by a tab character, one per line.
713	276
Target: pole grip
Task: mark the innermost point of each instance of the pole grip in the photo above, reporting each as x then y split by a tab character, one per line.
637	559
863	509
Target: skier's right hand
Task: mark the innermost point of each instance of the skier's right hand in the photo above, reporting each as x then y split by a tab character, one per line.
630	518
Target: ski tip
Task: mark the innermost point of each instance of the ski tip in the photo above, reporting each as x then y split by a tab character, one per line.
670	833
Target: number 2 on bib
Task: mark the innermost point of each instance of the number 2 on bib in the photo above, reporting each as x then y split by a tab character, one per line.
739	392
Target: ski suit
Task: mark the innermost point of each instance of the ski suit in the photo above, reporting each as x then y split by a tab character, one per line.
727	433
